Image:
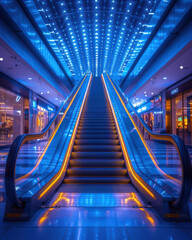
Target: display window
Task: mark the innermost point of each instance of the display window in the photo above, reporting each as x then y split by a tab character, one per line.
148	117
187	117
11	116
42	118
177	116
181	116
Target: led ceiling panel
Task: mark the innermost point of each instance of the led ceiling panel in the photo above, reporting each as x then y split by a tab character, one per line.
96	35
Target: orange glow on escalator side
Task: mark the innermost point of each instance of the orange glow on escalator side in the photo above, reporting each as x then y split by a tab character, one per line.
52	136
139	204
59	198
127	159
67	156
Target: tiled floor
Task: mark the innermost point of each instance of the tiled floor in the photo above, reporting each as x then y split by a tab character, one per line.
85	213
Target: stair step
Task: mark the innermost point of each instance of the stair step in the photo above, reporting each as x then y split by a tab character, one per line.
95	112
74	172
96	136
96	148
97	163
96	155
101	155
89	124
108	116
97	131
97	141
122	180
99	127
96	120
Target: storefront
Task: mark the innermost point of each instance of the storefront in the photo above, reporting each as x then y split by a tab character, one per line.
153	113
42	112
179	110
21	111
13	116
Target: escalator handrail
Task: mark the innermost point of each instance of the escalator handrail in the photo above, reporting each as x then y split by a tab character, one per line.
10	187
181	149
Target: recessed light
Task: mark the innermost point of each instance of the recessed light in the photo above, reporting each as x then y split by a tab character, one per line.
30	78
145	95
145	92
165	78
152	93
48	92
41	93
1	59
181	67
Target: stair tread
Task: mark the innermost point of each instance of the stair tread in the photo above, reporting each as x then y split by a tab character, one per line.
99	177
96	155
102	148
97	141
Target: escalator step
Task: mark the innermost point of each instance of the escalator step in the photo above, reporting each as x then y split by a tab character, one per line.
96	163
96	141
96	136
100	127
97	148
123	180
97	131
74	172
101	155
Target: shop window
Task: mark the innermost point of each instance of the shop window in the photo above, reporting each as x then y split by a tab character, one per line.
187	98
11	116
177	116
42	118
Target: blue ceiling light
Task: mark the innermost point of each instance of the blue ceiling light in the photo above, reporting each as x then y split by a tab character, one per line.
96	35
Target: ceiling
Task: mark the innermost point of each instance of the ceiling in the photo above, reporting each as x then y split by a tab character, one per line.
12	65
96	35
174	70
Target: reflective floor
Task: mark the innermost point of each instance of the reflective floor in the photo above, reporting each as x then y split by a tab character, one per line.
95	212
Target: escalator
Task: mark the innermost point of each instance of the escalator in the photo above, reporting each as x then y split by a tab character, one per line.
96	155
96	140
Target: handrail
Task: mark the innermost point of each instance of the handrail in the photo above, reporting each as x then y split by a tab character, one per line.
179	145
10	187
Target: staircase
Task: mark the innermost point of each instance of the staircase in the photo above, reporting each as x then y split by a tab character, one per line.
96	155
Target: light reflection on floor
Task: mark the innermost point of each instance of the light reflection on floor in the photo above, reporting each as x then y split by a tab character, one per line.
97	200
84	213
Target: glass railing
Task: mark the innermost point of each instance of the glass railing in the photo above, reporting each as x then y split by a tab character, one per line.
35	159
158	163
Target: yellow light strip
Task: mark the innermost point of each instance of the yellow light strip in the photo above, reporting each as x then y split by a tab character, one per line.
141	208
128	161
52	136
142	138
59	198
67	156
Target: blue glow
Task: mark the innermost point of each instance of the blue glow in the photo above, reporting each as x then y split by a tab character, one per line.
175	16
34	104
98	36
18	98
